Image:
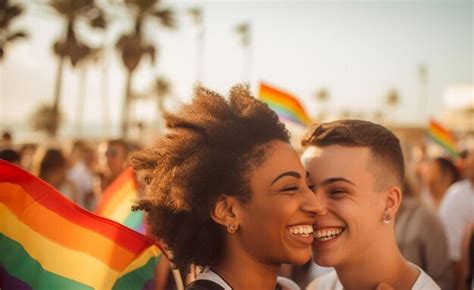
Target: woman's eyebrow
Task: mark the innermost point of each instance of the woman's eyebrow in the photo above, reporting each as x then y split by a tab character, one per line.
288	173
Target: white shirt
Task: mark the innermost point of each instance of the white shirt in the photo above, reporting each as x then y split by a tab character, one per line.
81	176
208	274
330	281
457	212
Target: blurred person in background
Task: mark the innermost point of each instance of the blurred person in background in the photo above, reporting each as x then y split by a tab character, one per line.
421	237
457	214
467	258
440	175
51	166
420	167
81	170
7	139
11	156
114	159
27	153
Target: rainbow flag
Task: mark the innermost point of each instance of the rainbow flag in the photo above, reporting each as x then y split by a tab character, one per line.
48	242
285	105
443	137
117	200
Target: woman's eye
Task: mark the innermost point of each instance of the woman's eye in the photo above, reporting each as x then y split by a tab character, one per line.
312	188
290	189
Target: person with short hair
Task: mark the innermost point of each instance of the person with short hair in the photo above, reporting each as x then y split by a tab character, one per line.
51	166
356	170
457	214
11	156
227	192
441	173
421	237
115	157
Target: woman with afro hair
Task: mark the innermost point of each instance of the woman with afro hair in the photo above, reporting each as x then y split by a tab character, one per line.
227	192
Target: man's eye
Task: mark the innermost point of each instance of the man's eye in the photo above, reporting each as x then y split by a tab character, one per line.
337	192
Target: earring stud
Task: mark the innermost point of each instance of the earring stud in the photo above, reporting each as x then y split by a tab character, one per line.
386	218
232	228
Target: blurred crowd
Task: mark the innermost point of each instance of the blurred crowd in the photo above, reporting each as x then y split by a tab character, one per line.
80	170
433	226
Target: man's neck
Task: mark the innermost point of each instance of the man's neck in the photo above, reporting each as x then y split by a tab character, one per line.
381	264
242	272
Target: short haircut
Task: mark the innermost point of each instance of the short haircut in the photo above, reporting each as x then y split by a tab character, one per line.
383	144
10	155
447	167
207	151
119	143
52	160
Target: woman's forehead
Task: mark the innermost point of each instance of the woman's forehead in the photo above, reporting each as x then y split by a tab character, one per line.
279	158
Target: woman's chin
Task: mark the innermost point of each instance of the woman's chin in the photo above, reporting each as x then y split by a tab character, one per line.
300	259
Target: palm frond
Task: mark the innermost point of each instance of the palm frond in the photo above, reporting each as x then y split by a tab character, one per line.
166	17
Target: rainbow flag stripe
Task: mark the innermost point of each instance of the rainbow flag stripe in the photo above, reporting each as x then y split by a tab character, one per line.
117	200
48	242
285	105
443	137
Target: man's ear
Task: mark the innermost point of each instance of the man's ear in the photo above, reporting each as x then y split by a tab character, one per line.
393	199
224	211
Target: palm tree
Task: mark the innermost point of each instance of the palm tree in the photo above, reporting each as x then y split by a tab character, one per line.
82	88
8	12
133	45
392	99
162	90
322	97
45	119
69	47
196	17
244	31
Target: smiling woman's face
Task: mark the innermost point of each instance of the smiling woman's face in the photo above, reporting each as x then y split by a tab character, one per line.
344	180
276	224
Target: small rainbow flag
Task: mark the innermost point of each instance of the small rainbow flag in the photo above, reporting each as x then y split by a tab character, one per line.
443	137
48	242
285	105
117	200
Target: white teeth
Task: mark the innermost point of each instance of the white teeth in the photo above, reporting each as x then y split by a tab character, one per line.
302	230
327	234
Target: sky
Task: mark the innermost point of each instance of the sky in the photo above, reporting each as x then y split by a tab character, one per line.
356	50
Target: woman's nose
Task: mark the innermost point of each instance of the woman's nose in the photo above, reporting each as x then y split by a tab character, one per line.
315	203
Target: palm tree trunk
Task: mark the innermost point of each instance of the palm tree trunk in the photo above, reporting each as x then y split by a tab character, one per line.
57	94
104	92
81	98
126	104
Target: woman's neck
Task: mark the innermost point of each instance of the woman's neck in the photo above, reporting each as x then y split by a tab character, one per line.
381	264
242	272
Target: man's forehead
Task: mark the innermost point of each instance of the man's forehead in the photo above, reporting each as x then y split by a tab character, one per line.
320	151
311	152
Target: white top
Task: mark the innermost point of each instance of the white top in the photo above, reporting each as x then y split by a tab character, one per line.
83	179
208	274
330	281
457	212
